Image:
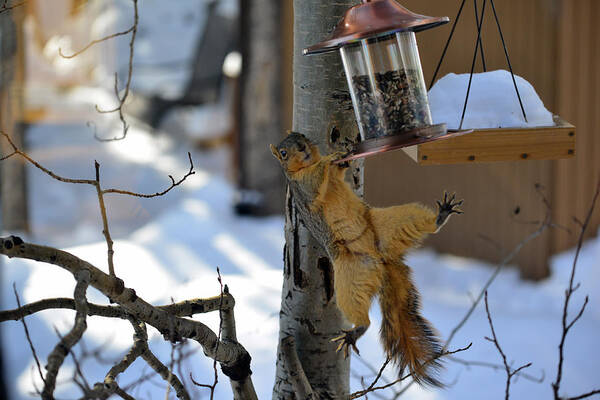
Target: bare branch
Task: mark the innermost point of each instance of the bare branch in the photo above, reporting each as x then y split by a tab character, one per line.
300	382
229	354
546	223
56	358
99	191
494	366
579	314
241	386
119	108
585	395
105	230
216	379
444	353
94	42
41	167
181	309
377	373
155	363
8	156
83	385
110	386
5	7
35	357
198	306
509	372
568	293
157	194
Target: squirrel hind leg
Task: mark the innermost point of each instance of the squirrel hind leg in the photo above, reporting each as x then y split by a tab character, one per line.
408	338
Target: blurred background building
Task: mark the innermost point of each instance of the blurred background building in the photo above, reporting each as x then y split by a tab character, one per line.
552	43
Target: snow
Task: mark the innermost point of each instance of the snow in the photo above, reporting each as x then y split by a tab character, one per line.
493	102
168	248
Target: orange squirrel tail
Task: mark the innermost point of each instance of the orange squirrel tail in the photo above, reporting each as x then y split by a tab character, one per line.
408	338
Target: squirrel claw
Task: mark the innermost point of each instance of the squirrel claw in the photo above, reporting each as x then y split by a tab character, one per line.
448	207
346	341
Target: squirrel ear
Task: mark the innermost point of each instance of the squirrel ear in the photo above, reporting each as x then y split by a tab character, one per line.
275	152
287	132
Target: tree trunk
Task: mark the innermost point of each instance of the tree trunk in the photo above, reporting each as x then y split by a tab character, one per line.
13	189
261	185
13	214
309	315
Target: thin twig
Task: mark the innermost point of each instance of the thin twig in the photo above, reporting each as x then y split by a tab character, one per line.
100	192
5	7
546	223
41	167
94	42
485	364
216	379
122	98
585	395
35	357
157	194
509	371
172	362
105	230
8	156
444	353
566	326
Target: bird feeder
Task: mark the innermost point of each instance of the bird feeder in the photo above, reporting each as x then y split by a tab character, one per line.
376	40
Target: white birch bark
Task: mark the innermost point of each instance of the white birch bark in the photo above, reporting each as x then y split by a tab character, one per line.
323	113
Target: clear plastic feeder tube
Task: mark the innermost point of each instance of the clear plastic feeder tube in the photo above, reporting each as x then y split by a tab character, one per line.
386	84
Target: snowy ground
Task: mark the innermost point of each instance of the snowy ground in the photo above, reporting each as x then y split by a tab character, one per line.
168	248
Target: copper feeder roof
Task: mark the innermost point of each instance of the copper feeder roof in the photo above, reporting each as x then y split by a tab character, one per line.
374	18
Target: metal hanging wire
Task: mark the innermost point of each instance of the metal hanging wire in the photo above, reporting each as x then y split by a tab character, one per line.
478	47
477	43
480	41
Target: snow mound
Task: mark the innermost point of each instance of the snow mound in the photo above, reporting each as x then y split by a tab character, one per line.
493	102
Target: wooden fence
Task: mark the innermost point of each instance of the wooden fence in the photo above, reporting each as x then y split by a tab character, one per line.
555	45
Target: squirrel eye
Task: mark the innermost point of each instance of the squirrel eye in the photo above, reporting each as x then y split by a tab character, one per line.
283	153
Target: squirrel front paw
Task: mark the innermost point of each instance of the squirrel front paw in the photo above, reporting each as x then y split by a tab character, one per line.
447	207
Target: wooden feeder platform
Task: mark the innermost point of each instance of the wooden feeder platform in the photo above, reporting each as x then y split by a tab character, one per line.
503	144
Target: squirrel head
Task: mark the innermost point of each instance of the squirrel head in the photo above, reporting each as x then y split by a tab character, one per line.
296	152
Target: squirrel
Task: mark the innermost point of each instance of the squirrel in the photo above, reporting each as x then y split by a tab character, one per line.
367	245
